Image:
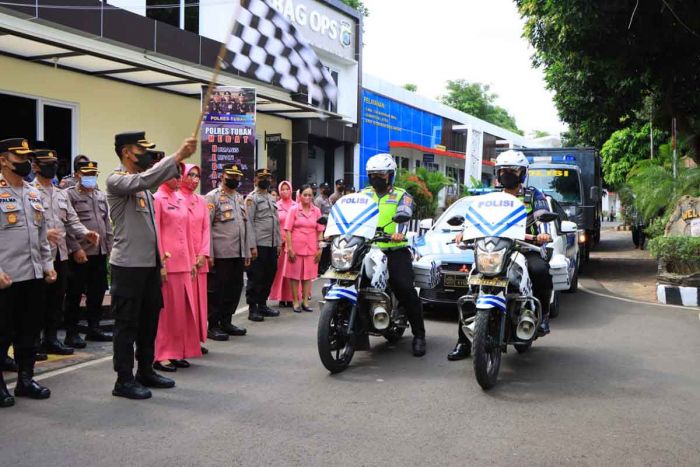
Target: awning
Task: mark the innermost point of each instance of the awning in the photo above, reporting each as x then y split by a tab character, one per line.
438	152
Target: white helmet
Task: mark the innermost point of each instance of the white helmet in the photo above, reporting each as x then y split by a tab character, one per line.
381	163
511	159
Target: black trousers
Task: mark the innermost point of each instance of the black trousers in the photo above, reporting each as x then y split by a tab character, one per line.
89	278
538	270
400	265
136	304
325	261
53	299
21	307
224	287
261	275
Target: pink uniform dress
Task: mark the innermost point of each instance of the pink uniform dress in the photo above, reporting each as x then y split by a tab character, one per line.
304	229
178	336
200	237
281	289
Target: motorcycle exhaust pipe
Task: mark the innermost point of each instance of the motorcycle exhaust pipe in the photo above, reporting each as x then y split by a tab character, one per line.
468	329
380	318
527	326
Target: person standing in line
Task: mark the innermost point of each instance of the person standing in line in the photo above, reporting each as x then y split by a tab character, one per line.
60	217
303	234
339	191
88	263
233	246
263	214
322	201
71	180
177	338
135	261
200	236
25	266
281	289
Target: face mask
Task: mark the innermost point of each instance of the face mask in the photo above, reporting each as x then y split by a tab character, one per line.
340	188
379	184
89	182
48	171
264	184
232	183
22	168
144	160
509	180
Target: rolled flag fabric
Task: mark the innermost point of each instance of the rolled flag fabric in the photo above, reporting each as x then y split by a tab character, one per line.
264	44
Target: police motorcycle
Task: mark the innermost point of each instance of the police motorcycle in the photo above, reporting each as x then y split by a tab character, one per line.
358	301
499	287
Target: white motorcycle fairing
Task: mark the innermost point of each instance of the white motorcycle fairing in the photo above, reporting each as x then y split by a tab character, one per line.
353	215
495	215
376	269
337	292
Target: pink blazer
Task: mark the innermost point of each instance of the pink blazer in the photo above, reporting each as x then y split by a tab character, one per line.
198	222
304	229
173	232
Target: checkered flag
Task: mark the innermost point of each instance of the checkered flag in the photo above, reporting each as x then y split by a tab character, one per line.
265	45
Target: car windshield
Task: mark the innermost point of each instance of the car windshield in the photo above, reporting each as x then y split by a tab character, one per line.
561	184
457	208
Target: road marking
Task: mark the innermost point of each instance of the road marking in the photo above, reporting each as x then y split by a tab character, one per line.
68	369
639	302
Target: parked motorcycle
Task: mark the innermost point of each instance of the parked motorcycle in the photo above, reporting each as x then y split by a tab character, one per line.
358	301
499	287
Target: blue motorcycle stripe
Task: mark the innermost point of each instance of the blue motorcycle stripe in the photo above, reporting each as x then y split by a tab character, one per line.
357	224
492	303
494	297
510	224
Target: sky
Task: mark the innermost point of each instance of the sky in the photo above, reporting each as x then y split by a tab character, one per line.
429	42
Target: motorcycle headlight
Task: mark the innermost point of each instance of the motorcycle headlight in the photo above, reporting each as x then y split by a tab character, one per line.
341	258
489	260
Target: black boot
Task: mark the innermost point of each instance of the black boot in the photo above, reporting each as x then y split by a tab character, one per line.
74	340
543	330
151	379
267	311
216	334
8	364
95	334
53	346
254	313
418	346
127	387
233	330
6	399
26	386
461	351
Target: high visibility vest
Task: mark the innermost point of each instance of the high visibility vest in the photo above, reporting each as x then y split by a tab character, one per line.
388	205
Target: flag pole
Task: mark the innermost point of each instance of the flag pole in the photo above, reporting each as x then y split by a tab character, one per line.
217	71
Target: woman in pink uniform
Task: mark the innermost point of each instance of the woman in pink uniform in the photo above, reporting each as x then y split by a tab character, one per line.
177	337
200	240
281	290
303	234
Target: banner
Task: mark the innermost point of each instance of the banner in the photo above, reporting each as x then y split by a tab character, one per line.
228	135
472	163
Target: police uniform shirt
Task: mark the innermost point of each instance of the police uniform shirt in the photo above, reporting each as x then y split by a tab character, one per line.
93	211
231	228
324	204
534	201
60	216
266	223
25	253
131	209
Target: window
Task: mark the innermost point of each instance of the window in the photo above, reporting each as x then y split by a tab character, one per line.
183	14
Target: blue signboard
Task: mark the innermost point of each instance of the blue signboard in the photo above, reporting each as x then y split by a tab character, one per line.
385	120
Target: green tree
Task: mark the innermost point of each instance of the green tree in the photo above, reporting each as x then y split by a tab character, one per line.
541	134
476	99
358	5
424	186
625	149
603	58
410	87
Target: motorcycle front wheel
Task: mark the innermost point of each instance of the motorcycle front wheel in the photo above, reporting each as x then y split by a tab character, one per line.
486	349
335	347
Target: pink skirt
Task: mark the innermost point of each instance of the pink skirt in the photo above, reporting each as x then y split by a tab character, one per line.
304	268
199	286
178	334
281	289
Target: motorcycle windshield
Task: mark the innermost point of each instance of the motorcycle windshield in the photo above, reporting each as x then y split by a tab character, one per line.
495	215
355	214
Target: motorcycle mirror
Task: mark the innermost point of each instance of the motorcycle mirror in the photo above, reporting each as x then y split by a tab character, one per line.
401	218
323	220
455	221
546	216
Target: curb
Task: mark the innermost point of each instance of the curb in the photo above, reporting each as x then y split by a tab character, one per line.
676	295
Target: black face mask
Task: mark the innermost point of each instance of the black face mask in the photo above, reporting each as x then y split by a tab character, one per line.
264	184
22	168
340	188
232	183
48	171
379	184
144	160
509	180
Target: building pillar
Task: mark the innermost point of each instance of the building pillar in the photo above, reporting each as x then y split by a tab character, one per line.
300	152
349	162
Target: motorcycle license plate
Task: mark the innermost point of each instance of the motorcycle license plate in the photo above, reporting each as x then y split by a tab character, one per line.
456	281
340	276
489	281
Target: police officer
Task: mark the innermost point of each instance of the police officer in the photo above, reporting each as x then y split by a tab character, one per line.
88	263
381	169
511	171
262	211
323	202
70	180
339	191
135	261
232	243
60	217
25	263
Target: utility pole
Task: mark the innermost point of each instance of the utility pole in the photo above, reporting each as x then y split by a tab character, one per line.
675	152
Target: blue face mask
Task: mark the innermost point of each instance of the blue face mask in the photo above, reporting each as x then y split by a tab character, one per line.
88	182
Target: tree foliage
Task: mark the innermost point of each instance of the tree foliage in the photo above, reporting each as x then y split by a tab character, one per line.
476	99
624	149
358	5
410	87
603	58
424	186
